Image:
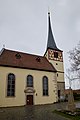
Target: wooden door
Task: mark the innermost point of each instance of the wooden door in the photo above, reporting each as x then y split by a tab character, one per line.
29	99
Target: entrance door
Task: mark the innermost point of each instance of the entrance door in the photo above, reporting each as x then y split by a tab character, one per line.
29	99
59	93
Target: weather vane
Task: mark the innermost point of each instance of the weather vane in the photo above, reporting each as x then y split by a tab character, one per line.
48	10
3	45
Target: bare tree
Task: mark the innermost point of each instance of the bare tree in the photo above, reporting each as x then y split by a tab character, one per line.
74	57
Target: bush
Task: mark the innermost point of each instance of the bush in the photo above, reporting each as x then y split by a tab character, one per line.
76	96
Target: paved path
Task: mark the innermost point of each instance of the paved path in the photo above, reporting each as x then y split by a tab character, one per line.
42	112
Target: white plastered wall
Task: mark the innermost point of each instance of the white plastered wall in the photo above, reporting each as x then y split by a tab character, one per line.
20	97
59	67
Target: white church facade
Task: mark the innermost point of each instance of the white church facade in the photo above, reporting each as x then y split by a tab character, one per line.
27	79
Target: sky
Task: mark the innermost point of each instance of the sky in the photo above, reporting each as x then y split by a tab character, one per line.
24	26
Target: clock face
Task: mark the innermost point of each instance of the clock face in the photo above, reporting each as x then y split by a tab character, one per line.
55	55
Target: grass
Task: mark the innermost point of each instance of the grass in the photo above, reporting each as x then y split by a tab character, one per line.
72	117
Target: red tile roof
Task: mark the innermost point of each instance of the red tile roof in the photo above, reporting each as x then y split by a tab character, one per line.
17	59
74	91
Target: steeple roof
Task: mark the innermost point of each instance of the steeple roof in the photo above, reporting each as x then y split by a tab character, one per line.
51	42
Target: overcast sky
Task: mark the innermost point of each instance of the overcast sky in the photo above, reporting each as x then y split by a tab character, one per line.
24	25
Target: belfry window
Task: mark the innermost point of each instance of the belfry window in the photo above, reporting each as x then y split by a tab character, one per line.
55	54
11	85
29	81
45	86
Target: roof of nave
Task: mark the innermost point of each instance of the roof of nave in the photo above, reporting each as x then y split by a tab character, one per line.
9	58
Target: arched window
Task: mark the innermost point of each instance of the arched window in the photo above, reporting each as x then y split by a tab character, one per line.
11	85
29	81
45	86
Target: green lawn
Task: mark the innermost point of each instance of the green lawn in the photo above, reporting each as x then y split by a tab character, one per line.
76	117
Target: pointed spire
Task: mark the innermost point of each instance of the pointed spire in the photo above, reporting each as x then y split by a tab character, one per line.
51	42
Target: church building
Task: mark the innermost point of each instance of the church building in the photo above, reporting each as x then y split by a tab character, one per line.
27	79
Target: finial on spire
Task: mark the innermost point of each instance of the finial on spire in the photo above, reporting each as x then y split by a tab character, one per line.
48	11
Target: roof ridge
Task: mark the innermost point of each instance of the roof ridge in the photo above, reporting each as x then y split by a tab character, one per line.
24	53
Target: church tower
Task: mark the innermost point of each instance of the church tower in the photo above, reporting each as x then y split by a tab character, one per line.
55	57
